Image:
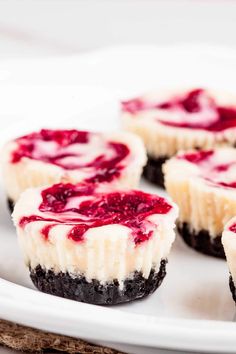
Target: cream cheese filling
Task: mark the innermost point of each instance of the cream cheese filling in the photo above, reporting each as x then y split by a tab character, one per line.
107	252
203	204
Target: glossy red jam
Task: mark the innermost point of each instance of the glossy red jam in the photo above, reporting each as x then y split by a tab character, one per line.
54	147
197	157
210	169
225	117
125	208
63	138
233	228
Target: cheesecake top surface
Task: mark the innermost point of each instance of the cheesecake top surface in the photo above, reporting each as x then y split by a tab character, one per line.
193	109
216	167
101	156
85	206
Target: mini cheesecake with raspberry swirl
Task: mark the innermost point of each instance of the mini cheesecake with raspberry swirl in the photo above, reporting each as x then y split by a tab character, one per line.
171	121
53	156
203	184
94	244
229	243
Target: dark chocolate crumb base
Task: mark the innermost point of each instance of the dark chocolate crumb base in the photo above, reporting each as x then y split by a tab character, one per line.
10	204
79	289
201	241
153	170
232	288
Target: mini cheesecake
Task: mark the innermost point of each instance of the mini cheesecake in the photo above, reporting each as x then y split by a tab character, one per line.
229	243
203	184
53	156
171	121
94	244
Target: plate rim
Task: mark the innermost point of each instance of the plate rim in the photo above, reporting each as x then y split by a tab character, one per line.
185	333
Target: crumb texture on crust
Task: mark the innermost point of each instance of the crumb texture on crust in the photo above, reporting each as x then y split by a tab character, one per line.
153	171
93	292
232	288
229	244
201	241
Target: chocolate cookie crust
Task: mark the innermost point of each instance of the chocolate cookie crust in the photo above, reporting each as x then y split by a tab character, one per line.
201	241
153	170
232	288
79	289
10	205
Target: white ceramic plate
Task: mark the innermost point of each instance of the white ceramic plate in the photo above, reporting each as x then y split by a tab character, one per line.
193	309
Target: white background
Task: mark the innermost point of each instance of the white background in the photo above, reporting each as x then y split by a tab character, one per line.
62	27
43	27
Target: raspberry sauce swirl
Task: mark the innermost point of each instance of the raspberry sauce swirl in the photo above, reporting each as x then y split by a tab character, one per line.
195	110
99	158
83	207
232	228
217	167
